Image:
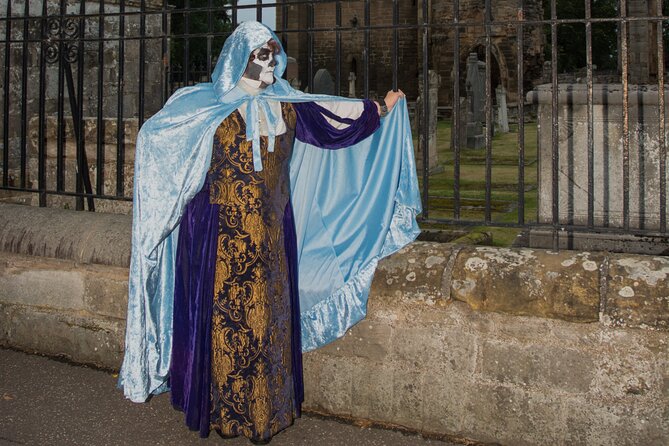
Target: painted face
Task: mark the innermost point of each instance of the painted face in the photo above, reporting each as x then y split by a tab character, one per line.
261	65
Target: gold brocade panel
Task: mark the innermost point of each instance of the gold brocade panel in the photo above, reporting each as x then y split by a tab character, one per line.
251	382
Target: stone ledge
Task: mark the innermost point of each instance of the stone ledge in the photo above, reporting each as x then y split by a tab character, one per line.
76	336
528	282
637	292
622	290
85	237
612	94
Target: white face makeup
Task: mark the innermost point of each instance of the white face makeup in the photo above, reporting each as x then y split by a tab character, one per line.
261	65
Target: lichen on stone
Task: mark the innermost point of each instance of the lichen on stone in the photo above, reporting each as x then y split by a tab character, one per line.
476	264
434	260
626	292
644	269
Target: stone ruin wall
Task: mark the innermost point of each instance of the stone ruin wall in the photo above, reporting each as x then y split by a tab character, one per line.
410	44
353	42
504	44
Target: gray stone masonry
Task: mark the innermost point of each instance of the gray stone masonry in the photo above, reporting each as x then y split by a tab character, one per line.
504	346
112	86
642	42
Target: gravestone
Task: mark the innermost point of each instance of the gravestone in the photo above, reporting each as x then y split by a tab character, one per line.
475	103
502	111
323	83
351	84
434	80
475	82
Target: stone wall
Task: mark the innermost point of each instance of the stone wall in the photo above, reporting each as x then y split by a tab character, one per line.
642	42
153	64
353	44
511	346
504	51
441	42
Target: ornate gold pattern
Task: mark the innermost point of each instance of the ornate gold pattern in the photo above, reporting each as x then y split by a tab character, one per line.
251	386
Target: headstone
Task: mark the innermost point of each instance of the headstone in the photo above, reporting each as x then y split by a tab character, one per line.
474	131
296	83
323	83
546	72
475	111
502	112
351	84
476	86
434	82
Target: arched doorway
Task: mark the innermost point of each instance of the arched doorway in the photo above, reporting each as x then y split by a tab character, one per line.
495	70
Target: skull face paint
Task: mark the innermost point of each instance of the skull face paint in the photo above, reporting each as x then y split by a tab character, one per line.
261	65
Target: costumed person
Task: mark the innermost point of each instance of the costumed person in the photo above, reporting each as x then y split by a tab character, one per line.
253	239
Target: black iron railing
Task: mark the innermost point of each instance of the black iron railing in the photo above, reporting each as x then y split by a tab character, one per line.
80	77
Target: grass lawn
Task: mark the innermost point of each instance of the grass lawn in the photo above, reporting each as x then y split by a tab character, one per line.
504	182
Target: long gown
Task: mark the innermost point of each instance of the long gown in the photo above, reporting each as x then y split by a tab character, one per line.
236	360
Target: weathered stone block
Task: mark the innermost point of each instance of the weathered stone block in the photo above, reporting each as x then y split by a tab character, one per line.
638	292
367	339
513	416
26	282
312	364
527	282
372	391
90	340
542	366
416	273
607	425
434	348
332	389
84	237
444	398
631	365
608	154
110	282
407	393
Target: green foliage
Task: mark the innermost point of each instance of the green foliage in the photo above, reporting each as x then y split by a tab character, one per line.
189	30
571	37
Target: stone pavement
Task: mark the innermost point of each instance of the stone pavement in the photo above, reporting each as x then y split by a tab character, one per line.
47	402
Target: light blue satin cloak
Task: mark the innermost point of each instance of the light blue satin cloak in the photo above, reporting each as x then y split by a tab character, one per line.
352	207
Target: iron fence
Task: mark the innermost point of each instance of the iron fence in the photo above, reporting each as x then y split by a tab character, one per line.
79	77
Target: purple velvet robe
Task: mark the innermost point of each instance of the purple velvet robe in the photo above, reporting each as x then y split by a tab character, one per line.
191	362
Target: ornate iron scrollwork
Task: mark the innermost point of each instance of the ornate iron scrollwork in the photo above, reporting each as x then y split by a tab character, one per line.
62	34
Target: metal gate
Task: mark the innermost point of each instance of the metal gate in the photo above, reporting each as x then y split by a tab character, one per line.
587	78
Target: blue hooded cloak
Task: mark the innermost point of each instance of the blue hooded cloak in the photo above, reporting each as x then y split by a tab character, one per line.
351	206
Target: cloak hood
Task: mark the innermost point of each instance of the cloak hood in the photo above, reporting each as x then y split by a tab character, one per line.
237	48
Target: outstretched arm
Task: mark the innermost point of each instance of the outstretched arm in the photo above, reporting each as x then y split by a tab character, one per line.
334	125
386	105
